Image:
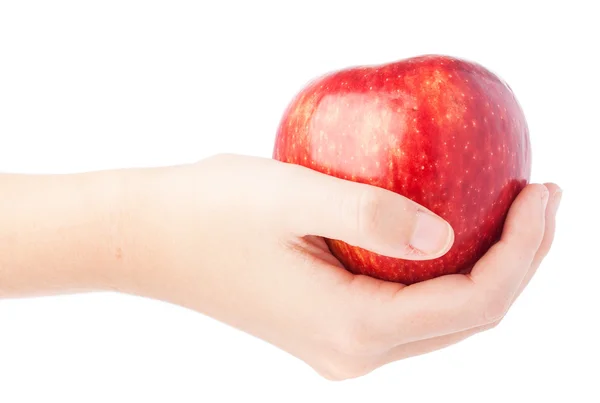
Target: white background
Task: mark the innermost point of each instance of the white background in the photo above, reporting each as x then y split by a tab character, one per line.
88	85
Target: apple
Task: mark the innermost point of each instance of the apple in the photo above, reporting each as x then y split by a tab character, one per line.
442	131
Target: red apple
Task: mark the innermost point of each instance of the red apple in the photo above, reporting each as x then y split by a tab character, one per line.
444	132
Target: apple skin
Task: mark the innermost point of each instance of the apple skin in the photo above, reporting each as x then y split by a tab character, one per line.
442	131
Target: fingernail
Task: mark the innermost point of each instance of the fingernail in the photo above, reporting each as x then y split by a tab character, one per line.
556	200
432	235
545	195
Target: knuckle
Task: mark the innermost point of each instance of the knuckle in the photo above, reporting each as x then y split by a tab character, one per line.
494	324
351	342
489	326
338	369
483	328
354	337
368	211
494	309
532	238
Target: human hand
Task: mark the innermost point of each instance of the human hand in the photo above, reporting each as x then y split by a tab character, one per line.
239	239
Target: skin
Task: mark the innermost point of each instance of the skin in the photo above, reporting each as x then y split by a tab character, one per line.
220	237
445	132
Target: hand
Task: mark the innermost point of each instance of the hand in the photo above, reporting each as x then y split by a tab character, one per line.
239	239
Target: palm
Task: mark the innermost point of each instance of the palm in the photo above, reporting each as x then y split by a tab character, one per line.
393	321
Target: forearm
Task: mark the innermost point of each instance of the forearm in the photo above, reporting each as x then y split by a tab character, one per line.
62	233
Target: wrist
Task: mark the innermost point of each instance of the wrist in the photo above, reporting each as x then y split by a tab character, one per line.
153	221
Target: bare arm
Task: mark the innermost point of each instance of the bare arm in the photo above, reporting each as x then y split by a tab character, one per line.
59	233
239	239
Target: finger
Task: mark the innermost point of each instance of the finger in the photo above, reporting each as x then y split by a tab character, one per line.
453	303
551	210
365	216
499	274
421	347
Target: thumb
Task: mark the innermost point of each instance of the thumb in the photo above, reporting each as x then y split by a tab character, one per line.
366	216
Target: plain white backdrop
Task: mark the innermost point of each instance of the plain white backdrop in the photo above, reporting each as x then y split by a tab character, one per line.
88	85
